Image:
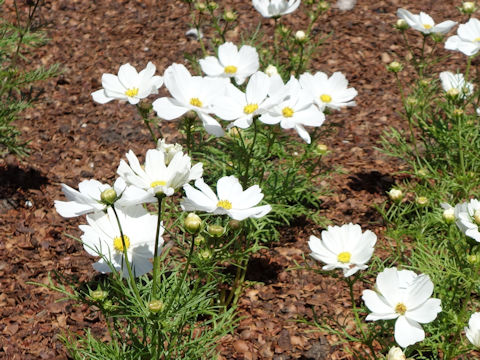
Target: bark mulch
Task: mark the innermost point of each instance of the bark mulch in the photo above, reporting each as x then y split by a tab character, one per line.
73	139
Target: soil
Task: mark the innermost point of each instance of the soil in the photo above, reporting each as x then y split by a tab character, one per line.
72	139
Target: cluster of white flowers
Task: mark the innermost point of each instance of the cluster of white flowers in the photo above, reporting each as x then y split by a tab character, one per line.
293	105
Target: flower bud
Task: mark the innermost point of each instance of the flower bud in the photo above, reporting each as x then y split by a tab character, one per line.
453	93
235	224
422	173
108	305
283	30
234	132
216	230
468	7
200	6
322	149
155	306
323	5
425	82
230	16
411	101
472	259
422	201
205	254
394	67
476	216
395	353
108	196
98	295
437	37
457	112
300	36
193	223
449	215
395	195
199	240
401	25
271	70
212	5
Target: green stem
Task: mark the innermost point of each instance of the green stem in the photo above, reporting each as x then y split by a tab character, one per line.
132	283
275	41
155	255
144	113
248	160
460	144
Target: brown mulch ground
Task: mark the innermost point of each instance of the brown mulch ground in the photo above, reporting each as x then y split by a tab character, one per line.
73	139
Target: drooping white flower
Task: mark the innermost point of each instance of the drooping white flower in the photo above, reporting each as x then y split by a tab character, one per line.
168	149
468	218
155	177
231	62
456	81
405	296
241	107
101	237
467	39
473	329
193	93
295	110
275	8
424	22
128	85
330	92
343	247
194	33
88	198
230	199
346	5
395	353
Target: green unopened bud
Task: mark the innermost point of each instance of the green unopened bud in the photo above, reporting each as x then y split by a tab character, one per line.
476	216
468	7
108	196
98	295
283	30
448	215
155	306
472	259
457	112
108	305
234	132
425	82
411	101
421	201
323	5
395	195
212	5
193	223
235	224
422	173
394	67
401	25
322	149
230	16
199	240
300	36
200	6
216	230
205	254
437	37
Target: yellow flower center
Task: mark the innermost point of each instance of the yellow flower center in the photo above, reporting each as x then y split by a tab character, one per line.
325	98
477	39
400	308
427	26
131	92
196	102
230	69
158	183
227	205
118	244
250	108
344	257
287	112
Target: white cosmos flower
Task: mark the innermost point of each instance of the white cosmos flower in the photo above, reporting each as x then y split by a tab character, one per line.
128	85
295	110
275	8
230	199
328	92
155	177
405	296
241	107
193	93
424	23
455	81
468	218
231	62
346	5
467	39
343	247
88	197
473	329
101	237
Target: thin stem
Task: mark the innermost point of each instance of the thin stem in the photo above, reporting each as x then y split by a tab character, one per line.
133	285
155	255
460	144
144	114
248	160
275	40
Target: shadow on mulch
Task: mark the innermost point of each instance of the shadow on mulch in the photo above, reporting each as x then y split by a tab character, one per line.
261	270
374	182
